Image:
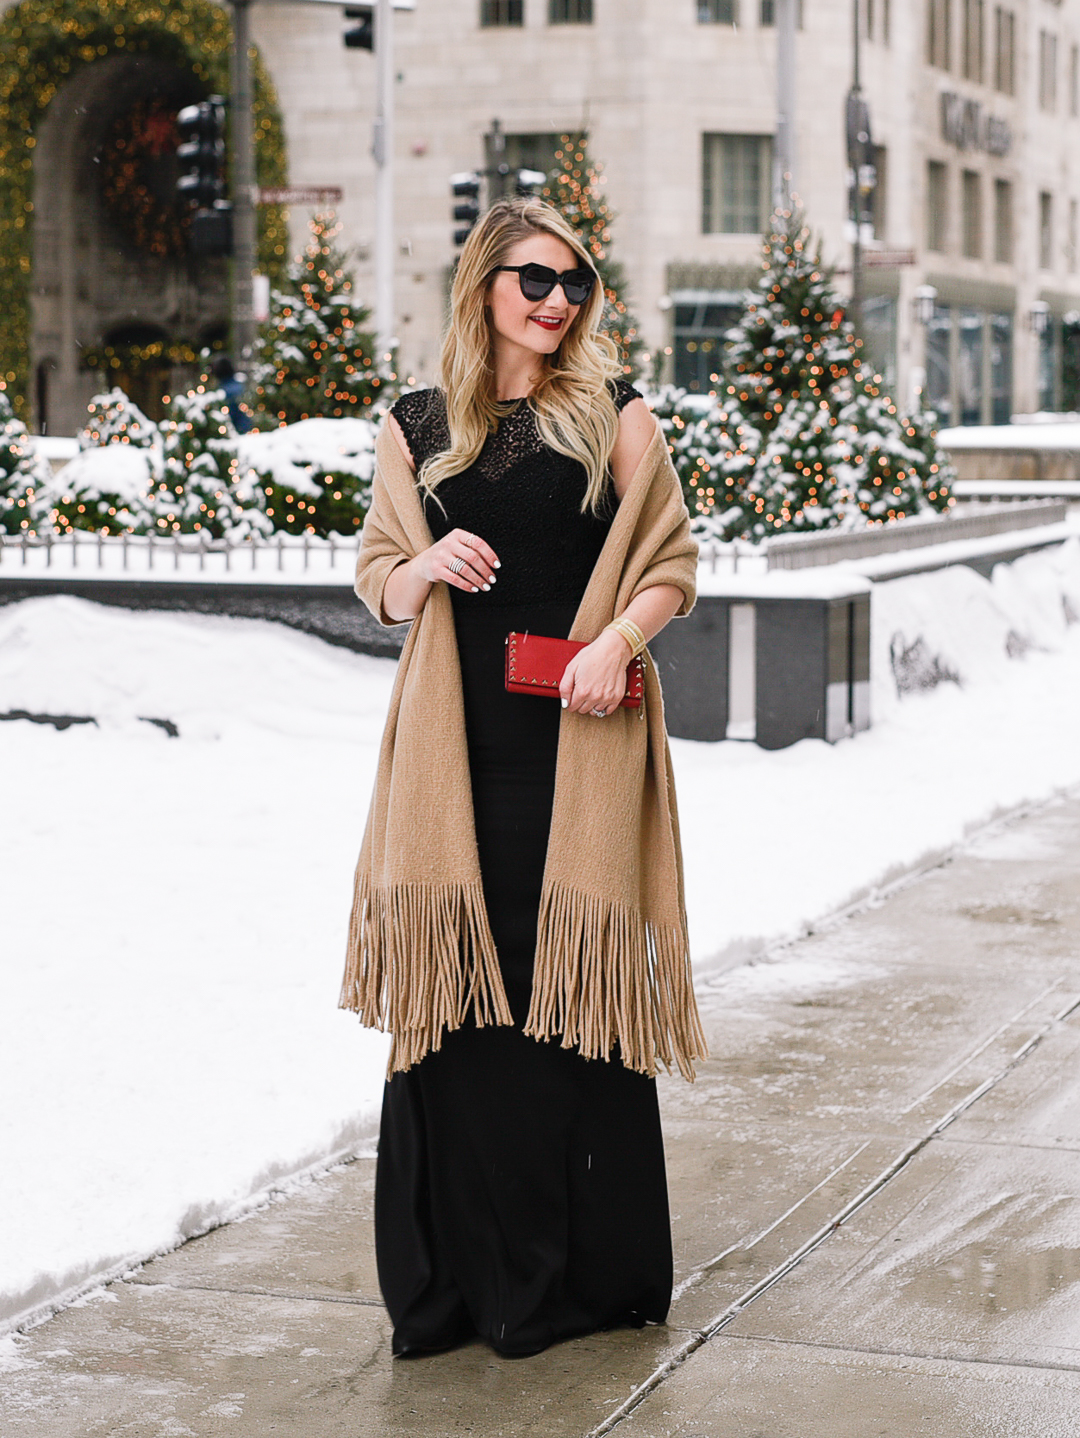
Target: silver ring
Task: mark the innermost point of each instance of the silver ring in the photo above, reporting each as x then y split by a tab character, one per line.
470	540
600	713
456	566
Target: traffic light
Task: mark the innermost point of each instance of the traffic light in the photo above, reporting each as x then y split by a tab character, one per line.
529	183
361	36
862	173
201	184
466	190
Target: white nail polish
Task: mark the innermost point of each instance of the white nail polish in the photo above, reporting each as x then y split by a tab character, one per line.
474	589
487	587
493	579
565	702
498	565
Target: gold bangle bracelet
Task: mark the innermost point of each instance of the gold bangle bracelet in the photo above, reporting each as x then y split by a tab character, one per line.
628	630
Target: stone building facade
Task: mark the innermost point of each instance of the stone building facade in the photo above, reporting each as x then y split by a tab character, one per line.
972	295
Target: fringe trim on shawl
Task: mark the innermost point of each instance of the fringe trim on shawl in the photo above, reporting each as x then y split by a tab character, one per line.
605	976
419	957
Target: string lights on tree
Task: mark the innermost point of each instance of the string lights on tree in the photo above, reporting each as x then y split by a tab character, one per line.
799	433
315	358
24	477
576	190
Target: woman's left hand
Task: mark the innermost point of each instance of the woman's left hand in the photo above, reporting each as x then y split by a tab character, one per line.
594	682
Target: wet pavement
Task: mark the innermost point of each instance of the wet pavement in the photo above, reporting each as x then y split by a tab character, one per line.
876	1206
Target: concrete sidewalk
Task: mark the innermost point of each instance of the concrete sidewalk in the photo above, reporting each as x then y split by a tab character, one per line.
876	1199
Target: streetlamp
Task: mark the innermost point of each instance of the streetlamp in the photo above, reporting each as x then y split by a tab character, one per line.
862	177
924	303
1039	317
243	186
784	158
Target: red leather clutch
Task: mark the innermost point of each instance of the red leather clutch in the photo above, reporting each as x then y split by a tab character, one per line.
535	664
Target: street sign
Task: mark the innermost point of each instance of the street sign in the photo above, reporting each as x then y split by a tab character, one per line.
888	259
300	195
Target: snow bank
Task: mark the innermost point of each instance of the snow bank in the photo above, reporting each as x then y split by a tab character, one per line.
175	908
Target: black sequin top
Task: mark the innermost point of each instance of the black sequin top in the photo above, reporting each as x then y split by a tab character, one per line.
520	496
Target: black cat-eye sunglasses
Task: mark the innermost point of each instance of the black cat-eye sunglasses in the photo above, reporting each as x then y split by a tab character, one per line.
538	281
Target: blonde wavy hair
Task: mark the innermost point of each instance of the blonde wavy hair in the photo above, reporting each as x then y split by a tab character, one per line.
574	409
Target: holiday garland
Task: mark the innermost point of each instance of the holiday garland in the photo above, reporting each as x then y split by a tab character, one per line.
43	44
135	146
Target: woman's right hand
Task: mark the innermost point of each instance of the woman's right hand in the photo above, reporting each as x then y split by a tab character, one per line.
460	559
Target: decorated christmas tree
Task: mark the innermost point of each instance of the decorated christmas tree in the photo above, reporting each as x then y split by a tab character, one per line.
112	418
576	190
314	357
801	435
200	487
23	476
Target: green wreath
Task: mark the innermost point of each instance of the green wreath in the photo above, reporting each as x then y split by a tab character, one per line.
43	43
136	168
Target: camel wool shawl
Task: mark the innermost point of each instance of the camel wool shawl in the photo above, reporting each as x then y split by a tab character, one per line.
612	960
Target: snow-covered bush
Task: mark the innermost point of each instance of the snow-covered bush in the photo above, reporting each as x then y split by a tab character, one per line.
104	487
201	485
113	418
314	476
24	476
183	476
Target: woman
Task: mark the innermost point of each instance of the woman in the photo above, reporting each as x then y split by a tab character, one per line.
518	921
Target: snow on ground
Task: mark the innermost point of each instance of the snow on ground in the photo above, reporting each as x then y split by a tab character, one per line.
175	908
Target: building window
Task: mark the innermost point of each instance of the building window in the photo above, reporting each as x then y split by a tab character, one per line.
1000	368
1003	222
972	236
502	12
718	12
569	12
879	333
973	41
938	46
969	366
1005	50
939	364
1046	230
767	13
877	20
970	379
937	206
1047	70
702	320
737	184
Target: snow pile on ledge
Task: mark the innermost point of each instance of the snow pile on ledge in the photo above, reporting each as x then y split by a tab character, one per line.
175	908
1046	432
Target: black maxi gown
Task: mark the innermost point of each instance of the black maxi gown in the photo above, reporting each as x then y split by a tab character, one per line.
520	1189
